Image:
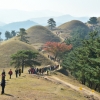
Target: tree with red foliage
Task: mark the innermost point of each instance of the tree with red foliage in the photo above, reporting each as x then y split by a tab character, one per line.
56	48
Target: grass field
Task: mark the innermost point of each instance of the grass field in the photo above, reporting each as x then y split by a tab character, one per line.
31	87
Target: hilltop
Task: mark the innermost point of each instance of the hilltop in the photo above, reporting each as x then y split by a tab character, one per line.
40	34
72	25
66	28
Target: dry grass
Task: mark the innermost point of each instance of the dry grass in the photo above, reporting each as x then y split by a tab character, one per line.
40	34
11	46
71	80
30	87
72	24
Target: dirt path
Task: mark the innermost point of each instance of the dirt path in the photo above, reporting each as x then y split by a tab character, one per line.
83	90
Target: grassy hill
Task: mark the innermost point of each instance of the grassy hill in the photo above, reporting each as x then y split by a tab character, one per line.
72	24
40	34
11	46
37	87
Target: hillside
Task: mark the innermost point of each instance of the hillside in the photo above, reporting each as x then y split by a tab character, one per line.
11	46
72	24
40	34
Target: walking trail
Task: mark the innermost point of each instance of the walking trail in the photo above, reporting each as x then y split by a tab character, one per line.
83	90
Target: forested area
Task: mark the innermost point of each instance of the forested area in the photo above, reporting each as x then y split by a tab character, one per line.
83	62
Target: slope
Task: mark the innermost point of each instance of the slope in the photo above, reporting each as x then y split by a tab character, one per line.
11	46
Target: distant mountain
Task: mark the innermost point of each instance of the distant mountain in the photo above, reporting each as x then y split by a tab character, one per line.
59	20
19	15
16	26
38	16
41	20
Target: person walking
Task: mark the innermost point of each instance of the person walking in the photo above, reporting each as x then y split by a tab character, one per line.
10	73
3	85
3	73
16	72
20	72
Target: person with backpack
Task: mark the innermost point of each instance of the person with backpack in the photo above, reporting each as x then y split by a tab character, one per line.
10	73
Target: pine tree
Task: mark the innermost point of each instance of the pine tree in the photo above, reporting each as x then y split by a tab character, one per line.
84	62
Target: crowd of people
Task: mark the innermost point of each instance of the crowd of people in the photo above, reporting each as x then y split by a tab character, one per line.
41	71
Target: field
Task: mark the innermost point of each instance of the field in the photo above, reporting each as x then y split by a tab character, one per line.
36	87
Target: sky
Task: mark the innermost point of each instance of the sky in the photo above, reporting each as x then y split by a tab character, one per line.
75	8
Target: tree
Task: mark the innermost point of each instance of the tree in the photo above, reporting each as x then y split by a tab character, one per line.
22	34
51	23
7	35
56	48
24	58
84	62
77	35
13	33
93	20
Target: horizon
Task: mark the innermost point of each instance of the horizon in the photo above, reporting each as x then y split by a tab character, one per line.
37	14
14	10
75	8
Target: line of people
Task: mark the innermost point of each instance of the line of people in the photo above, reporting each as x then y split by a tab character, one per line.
41	71
18	72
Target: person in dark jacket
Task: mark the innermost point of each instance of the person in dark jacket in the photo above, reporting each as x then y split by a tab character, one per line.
3	73
16	72
3	85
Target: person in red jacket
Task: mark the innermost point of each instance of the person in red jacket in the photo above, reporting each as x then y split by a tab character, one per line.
10	73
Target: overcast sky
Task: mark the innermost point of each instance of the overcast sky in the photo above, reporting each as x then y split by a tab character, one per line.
72	7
